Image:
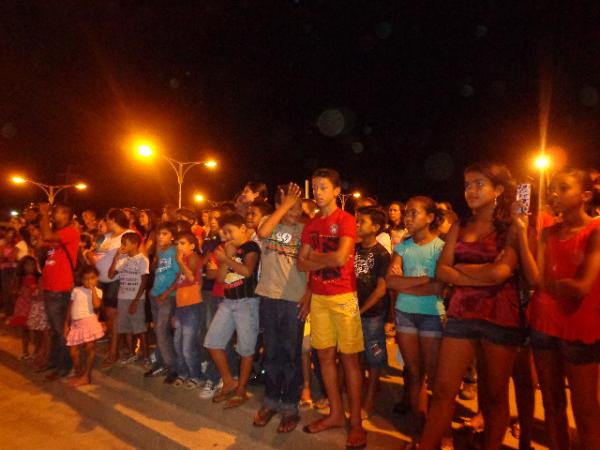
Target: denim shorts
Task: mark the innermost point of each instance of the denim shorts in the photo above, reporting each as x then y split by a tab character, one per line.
374	335
573	352
131	323
482	329
427	325
239	315
110	291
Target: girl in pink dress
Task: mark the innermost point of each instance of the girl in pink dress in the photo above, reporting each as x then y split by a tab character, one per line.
27	290
564	313
84	329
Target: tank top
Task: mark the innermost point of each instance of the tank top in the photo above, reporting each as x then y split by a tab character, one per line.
496	304
567	318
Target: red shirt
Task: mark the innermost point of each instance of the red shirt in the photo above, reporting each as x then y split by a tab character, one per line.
572	319
57	275
323	235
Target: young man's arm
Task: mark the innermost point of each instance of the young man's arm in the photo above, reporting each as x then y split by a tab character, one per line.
333	259
46	232
112	271
375	296
304	304
287	203
245	268
134	304
304	264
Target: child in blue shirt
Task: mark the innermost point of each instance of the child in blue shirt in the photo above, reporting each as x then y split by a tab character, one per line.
162	300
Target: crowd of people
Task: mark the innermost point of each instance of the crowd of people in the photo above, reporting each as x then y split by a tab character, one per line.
302	289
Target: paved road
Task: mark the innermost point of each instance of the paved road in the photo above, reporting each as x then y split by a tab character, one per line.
123	410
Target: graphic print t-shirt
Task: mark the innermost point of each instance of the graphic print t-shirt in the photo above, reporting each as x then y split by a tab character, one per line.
131	270
323	235
369	265
238	286
166	271
280	278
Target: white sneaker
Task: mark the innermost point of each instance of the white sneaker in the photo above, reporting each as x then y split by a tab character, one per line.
209	390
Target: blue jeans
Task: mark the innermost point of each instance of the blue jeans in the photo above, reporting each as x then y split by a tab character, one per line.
56	309
165	349
375	348
187	322
283	333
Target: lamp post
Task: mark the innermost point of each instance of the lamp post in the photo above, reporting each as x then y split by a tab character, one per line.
51	190
344	198
181	168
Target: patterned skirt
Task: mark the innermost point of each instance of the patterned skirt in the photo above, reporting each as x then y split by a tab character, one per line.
37	320
84	330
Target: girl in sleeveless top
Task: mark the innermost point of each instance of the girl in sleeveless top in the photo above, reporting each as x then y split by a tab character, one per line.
483	315
564	313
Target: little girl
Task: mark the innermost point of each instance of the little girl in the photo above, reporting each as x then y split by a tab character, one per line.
419	306
83	327
27	290
564	313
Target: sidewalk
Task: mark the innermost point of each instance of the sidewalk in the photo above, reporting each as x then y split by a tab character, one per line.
145	413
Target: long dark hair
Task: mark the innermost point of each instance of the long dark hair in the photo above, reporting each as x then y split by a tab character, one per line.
499	175
21	267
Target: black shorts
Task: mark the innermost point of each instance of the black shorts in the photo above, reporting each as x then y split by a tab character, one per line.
481	329
110	292
573	352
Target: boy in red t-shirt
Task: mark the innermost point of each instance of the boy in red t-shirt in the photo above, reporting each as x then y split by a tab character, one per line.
328	254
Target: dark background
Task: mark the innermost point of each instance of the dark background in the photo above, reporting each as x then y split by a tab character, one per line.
423	89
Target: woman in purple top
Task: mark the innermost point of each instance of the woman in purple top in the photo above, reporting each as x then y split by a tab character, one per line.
483	316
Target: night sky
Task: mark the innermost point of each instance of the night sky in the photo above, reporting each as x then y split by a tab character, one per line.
399	96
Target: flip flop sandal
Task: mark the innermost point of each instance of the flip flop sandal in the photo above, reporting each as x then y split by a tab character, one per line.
319	429
178	382
288	423
235	401
223	396
263	416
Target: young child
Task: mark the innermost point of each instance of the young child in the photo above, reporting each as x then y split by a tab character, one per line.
419	306
238	311
132	266
328	254
82	328
371	264
281	287
27	291
188	314
256	211
564	313
162	300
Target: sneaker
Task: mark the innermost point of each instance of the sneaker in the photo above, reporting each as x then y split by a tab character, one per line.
158	372
193	383
171	378
209	390
127	360
468	392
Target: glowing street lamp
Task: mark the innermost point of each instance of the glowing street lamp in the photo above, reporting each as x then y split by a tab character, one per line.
199	198
542	162
344	198
51	190
181	168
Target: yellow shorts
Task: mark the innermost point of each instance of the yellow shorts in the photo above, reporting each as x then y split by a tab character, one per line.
335	322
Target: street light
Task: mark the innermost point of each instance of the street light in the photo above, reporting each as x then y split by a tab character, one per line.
51	190
542	162
345	197
181	168
199	198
